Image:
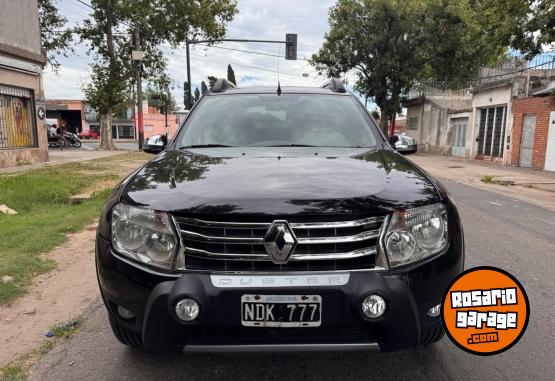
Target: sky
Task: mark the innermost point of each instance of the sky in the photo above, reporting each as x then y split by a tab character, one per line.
257	19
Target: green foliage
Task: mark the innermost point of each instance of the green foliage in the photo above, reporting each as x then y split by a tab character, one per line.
196	96
524	25
203	87
56	39
112	74
390	44
231	75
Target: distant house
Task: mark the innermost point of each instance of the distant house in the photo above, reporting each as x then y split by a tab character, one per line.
79	116
502	117
439	122
22	127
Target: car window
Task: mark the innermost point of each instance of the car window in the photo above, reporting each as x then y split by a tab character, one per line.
288	119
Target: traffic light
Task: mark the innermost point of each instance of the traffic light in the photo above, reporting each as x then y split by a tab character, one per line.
291	46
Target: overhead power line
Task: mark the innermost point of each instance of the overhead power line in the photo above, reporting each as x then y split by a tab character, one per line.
248	51
90	6
245	65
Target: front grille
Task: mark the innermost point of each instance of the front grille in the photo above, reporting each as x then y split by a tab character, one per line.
238	246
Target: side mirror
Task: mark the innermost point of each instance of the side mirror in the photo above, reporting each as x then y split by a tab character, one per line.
155	144
394	139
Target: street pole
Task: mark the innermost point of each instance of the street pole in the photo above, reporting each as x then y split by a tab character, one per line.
188	75
138	68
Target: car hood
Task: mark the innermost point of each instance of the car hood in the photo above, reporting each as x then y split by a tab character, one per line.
279	182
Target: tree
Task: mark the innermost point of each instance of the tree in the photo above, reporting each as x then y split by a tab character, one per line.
186	100
211	81
389	44
113	70
524	25
197	95
231	75
55	38
203	88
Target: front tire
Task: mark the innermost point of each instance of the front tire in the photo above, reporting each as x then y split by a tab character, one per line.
125	335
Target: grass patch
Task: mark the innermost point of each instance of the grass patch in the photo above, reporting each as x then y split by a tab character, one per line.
18	369
14	371
487	178
67	329
45	215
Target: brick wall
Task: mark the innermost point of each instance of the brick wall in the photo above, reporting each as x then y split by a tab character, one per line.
541	107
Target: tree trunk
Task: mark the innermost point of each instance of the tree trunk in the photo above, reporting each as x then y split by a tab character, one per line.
384	119
106	141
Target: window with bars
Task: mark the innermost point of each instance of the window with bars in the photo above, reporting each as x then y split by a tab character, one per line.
491	131
412	123
18	128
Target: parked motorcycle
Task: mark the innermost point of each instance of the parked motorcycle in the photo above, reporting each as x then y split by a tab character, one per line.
72	139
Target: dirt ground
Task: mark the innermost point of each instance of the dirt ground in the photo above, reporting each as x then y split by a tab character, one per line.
58	296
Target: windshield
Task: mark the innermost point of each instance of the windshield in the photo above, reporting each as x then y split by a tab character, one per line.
264	120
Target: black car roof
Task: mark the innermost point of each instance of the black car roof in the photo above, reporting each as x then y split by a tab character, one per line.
284	90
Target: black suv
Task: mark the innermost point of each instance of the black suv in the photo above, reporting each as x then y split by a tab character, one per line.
278	219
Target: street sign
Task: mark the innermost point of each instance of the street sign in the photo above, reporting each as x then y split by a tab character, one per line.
41	113
291	46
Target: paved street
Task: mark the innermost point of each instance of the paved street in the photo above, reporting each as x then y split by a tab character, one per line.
499	231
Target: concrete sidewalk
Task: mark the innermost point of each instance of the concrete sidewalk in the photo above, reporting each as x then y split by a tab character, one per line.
535	187
57	157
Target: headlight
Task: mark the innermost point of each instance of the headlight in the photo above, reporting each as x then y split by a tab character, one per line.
144	235
415	234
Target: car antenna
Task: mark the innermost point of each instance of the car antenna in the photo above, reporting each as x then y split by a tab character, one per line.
279	86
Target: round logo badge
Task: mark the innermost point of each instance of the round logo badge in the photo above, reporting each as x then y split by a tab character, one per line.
485	310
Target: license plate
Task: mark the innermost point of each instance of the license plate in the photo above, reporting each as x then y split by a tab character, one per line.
281	310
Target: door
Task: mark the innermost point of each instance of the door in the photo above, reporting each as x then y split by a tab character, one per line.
527	141
550	151
458	136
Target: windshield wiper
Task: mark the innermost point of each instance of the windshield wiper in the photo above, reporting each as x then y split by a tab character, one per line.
205	146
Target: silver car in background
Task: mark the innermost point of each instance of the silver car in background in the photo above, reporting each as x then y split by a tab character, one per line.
405	144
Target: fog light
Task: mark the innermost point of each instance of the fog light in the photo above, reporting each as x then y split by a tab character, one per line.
373	306
125	313
187	309
434	311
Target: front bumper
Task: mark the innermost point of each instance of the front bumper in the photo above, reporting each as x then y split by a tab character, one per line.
152	296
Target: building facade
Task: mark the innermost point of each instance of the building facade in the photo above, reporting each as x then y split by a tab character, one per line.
22	127
505	117
78	116
439	124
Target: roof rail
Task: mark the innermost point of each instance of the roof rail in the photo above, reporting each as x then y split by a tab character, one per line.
222	85
335	85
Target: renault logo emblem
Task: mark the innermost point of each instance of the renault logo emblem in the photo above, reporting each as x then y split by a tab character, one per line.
280	241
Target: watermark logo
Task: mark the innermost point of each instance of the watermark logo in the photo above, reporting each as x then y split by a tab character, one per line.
485	310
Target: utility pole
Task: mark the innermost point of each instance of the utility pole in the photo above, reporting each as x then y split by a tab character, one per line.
137	56
189	101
